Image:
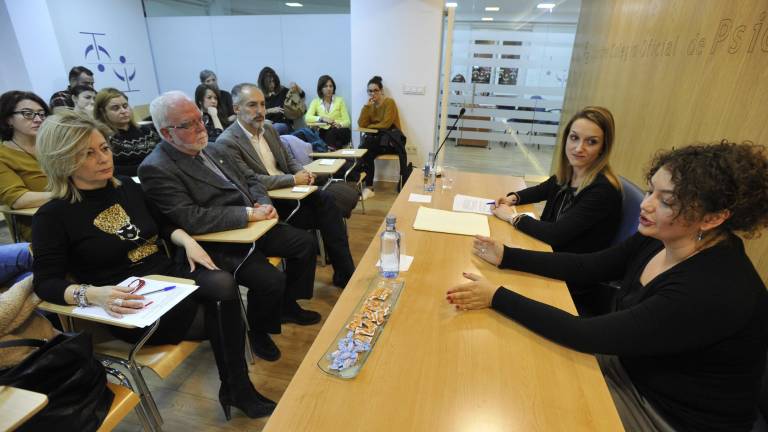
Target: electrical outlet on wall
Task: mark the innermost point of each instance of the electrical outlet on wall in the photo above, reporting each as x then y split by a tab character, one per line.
414	89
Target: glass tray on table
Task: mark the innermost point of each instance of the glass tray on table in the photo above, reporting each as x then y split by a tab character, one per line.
350	348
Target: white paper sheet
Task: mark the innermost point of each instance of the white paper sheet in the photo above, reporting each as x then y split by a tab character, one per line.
162	302
326	161
414	197
405	262
470	204
348	152
300	189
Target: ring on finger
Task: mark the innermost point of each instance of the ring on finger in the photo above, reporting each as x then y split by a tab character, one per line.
118	302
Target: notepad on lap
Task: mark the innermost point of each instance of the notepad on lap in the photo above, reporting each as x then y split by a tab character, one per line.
445	221
162	302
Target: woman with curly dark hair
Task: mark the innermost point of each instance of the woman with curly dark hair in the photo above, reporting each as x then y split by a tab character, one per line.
685	345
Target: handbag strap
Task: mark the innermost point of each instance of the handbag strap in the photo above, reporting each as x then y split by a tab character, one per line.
22	343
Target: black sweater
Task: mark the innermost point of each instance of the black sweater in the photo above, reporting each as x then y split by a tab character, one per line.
105	238
587	225
693	340
131	146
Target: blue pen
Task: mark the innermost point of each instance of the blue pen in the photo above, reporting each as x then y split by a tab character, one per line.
491	203
168	288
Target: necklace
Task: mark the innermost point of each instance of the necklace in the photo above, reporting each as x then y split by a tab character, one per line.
23	149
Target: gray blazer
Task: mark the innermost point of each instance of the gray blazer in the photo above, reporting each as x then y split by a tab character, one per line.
194	197
235	143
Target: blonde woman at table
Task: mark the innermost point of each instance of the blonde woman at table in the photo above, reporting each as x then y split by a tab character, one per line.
583	198
685	345
22	182
330	110
100	230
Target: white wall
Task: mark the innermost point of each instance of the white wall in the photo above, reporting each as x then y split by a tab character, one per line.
50	41
399	40
13	71
238	47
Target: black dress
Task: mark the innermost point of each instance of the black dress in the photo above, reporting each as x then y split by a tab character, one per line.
693	340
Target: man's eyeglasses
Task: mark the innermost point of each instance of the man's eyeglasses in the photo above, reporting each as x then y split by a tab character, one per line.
190	124
374	91
30	115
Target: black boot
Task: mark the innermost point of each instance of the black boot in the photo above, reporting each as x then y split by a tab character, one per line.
227	334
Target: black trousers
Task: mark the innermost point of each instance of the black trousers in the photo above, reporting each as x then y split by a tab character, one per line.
366	164
319	211
336	138
269	288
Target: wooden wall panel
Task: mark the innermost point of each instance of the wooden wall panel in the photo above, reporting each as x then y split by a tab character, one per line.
674	72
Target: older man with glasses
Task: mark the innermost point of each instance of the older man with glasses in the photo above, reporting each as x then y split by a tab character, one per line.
202	193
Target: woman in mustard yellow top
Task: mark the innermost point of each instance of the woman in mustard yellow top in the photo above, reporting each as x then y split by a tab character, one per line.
331	112
379	113
22	182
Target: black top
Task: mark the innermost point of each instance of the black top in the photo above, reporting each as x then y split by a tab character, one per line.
278	100
225	108
210	128
583	222
130	147
693	340
107	237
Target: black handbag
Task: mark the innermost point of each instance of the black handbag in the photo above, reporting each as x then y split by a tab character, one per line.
65	370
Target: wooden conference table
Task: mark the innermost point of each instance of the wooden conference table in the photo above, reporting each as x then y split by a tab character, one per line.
436	369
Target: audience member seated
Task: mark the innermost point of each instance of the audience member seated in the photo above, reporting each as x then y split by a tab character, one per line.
207	101
208	77
130	143
275	94
83	97
329	109
380	112
256	148
78	75
22	182
584	196
685	347
202	194
100	230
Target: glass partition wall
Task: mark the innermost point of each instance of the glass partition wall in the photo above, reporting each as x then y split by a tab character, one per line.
510	75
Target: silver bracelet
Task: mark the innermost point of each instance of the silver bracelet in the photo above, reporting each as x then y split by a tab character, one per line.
80	295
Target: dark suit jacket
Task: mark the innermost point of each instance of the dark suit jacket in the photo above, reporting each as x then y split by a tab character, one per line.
236	144
196	199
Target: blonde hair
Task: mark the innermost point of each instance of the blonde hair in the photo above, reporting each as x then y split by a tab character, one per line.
61	142
100	107
603	118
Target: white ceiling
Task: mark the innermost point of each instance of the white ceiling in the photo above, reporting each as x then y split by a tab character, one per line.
565	11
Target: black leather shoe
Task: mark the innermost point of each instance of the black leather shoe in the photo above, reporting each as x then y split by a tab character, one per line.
340	281
295	314
263	346
246	399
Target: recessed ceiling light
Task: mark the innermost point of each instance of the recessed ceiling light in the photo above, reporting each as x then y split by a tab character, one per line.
492	9
451	4
486	19
549	6
294	4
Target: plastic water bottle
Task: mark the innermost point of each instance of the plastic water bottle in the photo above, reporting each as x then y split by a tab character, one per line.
429	174
390	250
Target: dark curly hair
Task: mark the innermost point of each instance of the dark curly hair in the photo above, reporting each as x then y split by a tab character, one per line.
262	80
721	176
8	103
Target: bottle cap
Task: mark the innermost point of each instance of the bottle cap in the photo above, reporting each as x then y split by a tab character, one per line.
391	219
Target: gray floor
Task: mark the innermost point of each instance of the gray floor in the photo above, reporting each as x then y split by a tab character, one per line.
509	159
